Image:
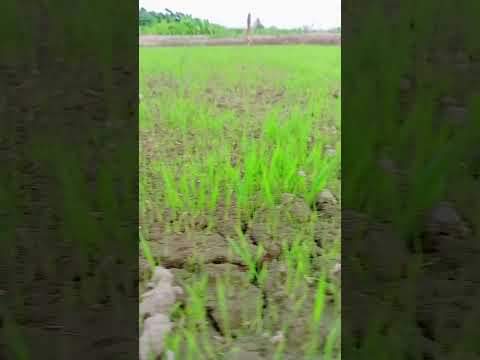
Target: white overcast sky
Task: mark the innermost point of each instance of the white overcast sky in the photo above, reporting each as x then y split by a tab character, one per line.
322	14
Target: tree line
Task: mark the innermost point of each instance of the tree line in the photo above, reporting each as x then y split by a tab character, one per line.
175	23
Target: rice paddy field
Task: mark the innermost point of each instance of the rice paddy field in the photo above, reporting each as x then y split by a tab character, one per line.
240	197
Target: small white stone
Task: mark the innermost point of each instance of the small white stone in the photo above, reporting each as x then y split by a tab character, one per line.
155	306
337	268
278	337
154	331
326	197
162	275
446	215
331	152
158	300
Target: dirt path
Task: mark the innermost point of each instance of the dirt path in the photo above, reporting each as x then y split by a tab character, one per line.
317	38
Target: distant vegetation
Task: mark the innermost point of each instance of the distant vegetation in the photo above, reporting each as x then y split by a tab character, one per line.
177	23
336	30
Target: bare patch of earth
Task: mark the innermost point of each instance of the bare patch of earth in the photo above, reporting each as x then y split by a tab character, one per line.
316	38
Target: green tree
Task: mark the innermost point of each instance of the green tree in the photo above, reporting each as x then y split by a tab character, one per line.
258	24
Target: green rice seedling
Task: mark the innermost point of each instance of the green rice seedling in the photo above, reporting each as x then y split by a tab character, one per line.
223	308
317	314
242	248
214	179
187	199
193	348
145	114
196	292
173	342
262	277
144	206
333	337
170	189
194	330
267	187
146	251
229	191
298	303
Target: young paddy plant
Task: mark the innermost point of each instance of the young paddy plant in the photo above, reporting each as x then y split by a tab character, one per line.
243	249
223	308
191	338
146	251
317	315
